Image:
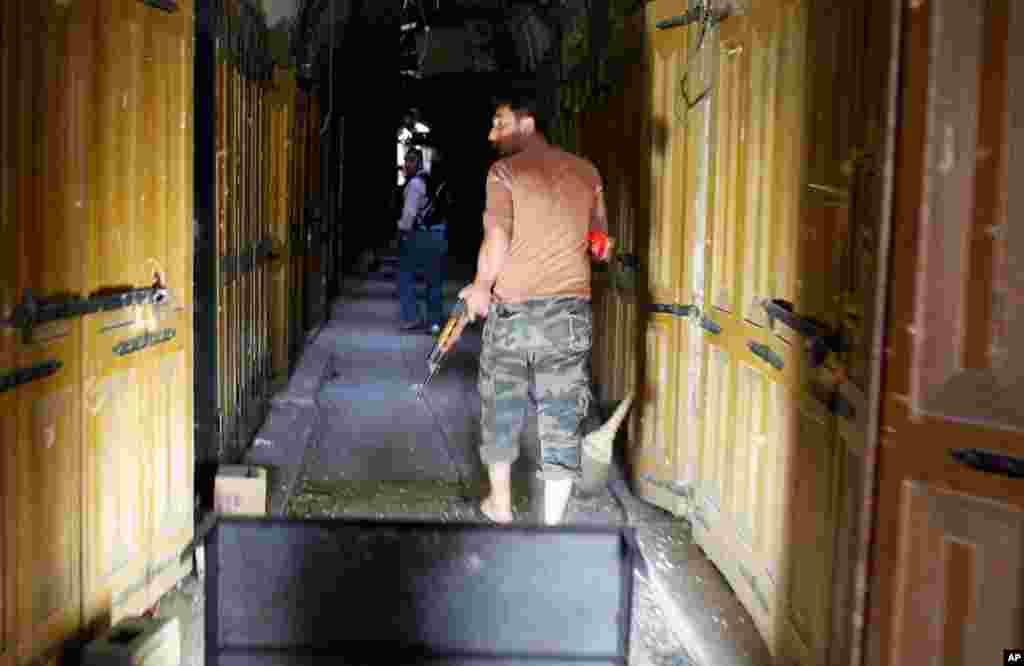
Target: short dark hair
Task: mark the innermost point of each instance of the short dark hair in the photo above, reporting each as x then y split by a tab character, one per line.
522	103
414	153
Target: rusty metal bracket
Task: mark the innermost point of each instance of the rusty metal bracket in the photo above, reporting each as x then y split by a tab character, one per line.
31	313
710	325
766	354
990	462
674	309
833	400
138	343
170	6
821	340
701	12
22	376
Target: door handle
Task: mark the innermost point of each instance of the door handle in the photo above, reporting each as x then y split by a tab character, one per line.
710	325
821	340
990	462
30	312
833	400
169	6
674	309
22	376
766	354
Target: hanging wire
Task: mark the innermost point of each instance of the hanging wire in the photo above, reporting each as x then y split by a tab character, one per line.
708	20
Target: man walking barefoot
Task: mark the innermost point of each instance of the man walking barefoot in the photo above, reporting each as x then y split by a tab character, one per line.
533	286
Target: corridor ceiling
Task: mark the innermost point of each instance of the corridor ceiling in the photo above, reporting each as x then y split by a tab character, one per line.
446	36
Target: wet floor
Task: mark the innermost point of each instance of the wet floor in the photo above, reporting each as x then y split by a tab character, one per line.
350	438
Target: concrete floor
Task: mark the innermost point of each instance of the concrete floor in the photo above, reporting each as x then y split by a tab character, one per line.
349	438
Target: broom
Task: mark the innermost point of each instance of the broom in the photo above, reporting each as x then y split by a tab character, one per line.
598	445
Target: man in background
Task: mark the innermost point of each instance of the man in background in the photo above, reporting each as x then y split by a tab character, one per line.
423	247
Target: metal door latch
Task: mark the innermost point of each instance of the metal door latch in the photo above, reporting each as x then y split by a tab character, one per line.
702	12
31	313
821	340
710	325
169	6
22	376
674	309
990	462
833	400
138	343
766	354
630	262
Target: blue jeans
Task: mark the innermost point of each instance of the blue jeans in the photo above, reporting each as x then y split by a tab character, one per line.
422	253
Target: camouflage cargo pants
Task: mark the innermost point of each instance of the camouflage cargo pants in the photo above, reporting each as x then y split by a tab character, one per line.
539	349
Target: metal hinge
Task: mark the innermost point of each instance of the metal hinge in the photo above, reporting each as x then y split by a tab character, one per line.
22	376
766	354
990	462
710	325
833	400
821	340
170	6
31	313
674	309
138	343
701	12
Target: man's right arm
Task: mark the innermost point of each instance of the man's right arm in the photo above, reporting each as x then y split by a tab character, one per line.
497	238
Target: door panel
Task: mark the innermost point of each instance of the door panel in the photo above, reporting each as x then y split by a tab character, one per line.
10	161
116	470
765	506
8	542
138	419
948	536
965	551
46	468
170	413
663	365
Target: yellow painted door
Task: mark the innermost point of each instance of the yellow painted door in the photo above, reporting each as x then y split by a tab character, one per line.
170	392
45	482
609	135
282	114
44	457
138	396
627	179
122	243
763	503
662	365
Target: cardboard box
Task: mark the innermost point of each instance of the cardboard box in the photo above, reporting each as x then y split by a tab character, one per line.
240	490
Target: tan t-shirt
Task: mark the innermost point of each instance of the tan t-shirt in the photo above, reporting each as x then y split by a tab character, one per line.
546	200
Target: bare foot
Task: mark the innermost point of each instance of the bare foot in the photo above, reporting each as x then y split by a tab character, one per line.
488	509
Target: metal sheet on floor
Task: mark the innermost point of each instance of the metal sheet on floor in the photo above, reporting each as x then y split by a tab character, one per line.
301	592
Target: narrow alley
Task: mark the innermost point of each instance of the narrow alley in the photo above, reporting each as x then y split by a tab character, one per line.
792	250
349	439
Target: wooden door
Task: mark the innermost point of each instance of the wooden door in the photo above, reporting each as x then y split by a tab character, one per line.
281	118
661	449
10	52
609	135
750	473
138	375
44	459
950	526
45	475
